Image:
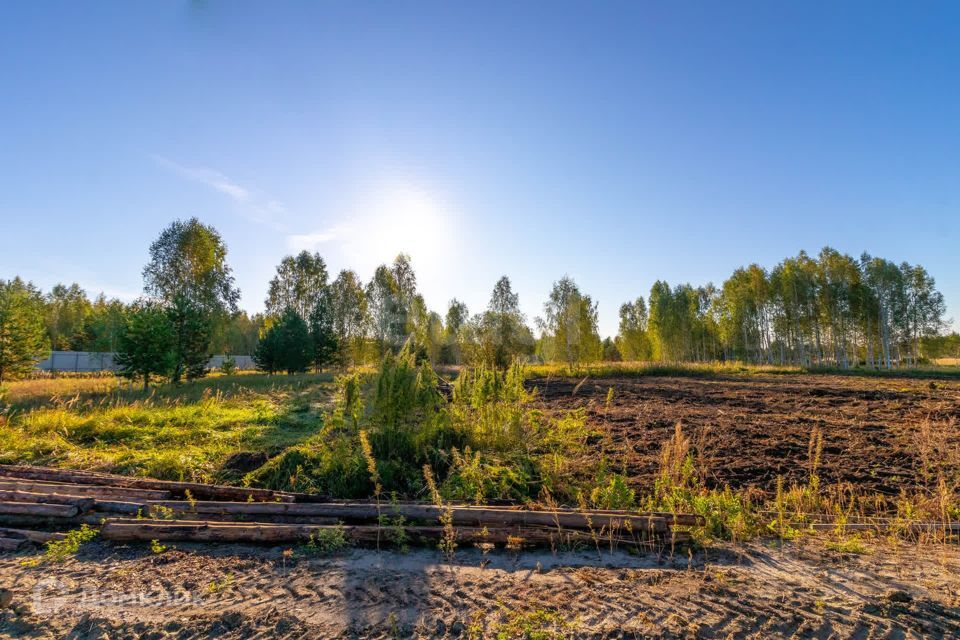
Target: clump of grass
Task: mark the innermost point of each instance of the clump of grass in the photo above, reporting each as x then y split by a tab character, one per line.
326	541
849	545
219	586
534	623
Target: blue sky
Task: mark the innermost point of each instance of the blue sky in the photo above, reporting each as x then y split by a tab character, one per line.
618	143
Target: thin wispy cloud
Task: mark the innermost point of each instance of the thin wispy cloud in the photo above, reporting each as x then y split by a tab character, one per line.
250	202
313	241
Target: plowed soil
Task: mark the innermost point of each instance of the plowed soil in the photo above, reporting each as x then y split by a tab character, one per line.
879	434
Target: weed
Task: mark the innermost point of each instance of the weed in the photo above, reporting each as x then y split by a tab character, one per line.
161	512
851	545
59	550
326	541
156	547
219	586
448	542
534	624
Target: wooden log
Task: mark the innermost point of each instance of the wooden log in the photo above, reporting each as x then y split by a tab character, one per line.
39	510
86	490
241	519
117	506
12	544
197	489
462	516
81	503
44	522
32	536
138	530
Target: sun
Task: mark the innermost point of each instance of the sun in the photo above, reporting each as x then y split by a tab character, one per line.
408	218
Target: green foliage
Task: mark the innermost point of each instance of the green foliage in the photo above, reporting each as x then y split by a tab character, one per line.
191	347
103	325
828	310
299	283
286	346
229	366
569	325
322	465
633	341
22	338
187	432
326	541
533	624
350	316
60	550
613	492
479	478
67	310
325	349
146	346
498	336
189	260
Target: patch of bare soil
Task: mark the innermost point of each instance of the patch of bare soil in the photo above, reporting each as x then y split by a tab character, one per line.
796	591
879	434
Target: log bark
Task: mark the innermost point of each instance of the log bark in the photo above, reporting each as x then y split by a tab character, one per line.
462	516
81	503
46	522
32	536
38	510
198	489
86	490
12	544
117	506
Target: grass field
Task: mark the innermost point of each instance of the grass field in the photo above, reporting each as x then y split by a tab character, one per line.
731	442
188	431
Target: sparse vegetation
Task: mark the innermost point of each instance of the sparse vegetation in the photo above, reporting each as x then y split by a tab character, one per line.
326	542
60	550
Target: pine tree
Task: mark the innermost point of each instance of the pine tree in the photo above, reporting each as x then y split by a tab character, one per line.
23	339
147	343
191	349
323	339
286	346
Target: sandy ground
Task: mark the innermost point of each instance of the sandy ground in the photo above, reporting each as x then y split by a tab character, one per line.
748	591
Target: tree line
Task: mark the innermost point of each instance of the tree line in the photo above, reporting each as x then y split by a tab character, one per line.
830	309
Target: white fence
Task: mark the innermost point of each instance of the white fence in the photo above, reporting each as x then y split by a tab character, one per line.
92	361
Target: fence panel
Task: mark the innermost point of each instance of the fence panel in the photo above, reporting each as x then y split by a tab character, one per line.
92	361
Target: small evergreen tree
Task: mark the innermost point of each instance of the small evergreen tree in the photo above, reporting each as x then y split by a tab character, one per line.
267	354
146	345
323	338
286	346
191	349
23	339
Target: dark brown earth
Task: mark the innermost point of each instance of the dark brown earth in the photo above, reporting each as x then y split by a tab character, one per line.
879	434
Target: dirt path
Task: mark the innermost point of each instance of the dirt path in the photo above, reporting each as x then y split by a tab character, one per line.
754	591
879	434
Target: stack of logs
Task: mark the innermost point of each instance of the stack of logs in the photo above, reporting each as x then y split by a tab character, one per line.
38	504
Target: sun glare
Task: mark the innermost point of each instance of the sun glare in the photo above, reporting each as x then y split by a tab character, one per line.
403	217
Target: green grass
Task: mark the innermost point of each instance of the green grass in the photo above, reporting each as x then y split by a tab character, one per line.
170	432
